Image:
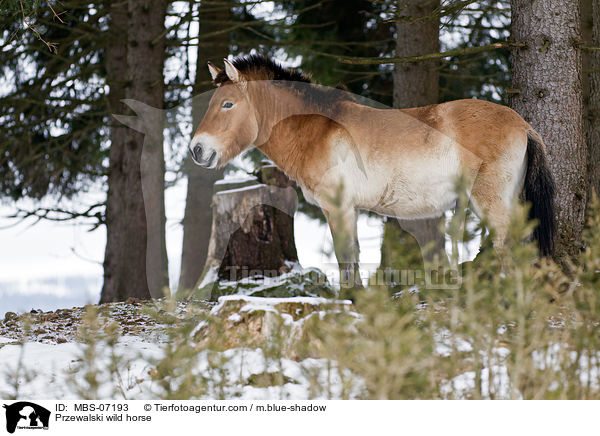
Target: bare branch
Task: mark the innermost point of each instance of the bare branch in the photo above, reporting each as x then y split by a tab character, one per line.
51	46
93	213
396	60
55	14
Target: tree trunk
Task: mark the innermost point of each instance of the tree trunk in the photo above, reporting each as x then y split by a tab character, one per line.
253	227
415	84
198	213
136	204
547	75
120	280
591	17
116	69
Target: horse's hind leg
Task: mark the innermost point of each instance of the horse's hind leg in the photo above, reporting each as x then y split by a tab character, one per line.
496	211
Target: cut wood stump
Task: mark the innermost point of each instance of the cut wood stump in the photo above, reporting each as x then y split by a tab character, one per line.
253	227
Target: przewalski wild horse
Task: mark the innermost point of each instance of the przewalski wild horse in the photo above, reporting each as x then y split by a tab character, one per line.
397	162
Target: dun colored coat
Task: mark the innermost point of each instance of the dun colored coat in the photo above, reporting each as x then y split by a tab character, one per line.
397	162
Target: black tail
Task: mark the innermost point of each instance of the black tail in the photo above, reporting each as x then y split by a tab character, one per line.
539	191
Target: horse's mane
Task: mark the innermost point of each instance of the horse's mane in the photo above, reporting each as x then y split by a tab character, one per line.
259	67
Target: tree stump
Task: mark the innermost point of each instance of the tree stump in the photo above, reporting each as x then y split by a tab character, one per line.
252	228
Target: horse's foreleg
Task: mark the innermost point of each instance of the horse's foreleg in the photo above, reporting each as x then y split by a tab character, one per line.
342	223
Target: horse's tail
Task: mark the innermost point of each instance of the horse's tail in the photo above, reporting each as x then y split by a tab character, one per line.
539	191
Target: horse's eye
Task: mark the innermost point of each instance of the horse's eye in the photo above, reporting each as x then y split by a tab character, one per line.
227	105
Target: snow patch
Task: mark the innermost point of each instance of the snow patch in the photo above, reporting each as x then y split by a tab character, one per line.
243	188
56	373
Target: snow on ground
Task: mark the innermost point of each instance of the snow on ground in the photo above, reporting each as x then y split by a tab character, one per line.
268	304
465	383
55	372
53	369
50	364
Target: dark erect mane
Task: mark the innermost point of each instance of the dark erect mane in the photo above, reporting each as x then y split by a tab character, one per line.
258	67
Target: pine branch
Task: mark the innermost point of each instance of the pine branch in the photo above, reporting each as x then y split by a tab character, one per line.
397	60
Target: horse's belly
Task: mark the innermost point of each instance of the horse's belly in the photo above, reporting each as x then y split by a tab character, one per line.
408	204
415	191
408	185
424	205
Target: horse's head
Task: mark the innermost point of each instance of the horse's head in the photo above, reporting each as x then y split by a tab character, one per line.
230	124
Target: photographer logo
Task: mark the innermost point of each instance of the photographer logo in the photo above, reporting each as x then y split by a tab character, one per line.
24	415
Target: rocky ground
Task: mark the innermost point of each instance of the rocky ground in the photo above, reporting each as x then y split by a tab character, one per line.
60	326
297	293
50	347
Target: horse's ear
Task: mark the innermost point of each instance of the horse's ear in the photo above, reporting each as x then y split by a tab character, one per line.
232	72
214	71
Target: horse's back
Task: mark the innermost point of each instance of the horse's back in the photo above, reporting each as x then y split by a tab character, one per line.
486	129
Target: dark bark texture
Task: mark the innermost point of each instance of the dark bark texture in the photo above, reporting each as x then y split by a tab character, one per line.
136	248
198	213
547	76
116	69
591	74
415	84
253	227
265	248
